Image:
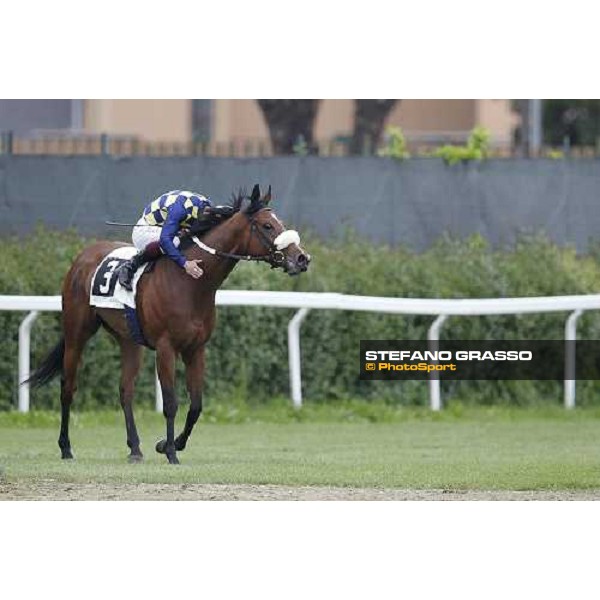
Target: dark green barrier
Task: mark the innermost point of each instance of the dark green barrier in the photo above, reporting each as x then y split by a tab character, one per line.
412	202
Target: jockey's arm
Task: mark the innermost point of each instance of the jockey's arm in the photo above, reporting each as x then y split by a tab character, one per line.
169	231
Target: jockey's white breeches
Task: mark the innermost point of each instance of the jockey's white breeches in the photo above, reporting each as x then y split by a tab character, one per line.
144	234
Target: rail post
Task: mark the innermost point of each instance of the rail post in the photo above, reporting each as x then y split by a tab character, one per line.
570	385
24	358
433	337
159	397
294	356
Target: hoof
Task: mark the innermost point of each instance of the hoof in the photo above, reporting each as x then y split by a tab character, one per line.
179	444
67	455
133	459
161	448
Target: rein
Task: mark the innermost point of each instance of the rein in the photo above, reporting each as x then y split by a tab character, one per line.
274	256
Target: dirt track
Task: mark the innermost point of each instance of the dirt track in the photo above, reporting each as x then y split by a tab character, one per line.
73	491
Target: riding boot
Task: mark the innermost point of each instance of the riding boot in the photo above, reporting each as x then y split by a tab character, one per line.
128	269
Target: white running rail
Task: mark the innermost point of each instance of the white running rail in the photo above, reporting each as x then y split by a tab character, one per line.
307	301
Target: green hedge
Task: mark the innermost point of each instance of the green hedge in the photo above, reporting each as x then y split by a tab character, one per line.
247	358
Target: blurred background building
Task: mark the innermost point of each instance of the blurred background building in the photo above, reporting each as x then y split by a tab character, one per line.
241	123
266	127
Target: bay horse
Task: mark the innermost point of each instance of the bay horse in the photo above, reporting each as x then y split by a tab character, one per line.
176	314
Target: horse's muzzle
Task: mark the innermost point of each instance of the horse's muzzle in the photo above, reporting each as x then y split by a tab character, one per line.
297	263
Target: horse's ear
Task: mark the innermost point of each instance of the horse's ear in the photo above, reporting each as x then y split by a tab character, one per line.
267	196
255	196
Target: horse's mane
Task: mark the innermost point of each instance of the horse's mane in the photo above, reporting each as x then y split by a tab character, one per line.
238	198
236	203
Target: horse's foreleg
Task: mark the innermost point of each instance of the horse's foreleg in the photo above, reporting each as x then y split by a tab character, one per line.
194	374
131	360
165	364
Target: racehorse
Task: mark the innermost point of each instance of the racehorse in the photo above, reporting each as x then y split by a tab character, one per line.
176	314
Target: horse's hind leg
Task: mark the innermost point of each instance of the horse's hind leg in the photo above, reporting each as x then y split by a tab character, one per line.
131	360
78	329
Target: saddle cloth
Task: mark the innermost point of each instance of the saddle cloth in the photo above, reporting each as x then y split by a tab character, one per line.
106	291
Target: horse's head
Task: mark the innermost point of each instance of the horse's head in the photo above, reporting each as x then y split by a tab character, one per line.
268	237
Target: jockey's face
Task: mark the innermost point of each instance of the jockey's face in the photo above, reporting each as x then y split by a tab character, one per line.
271	233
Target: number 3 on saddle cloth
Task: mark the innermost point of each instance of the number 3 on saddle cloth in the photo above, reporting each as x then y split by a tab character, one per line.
106	291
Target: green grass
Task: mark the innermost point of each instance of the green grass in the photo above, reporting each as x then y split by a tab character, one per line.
349	444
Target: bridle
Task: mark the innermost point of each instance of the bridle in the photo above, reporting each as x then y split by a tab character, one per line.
274	255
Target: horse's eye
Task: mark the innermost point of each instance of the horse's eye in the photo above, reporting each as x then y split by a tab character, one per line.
268	226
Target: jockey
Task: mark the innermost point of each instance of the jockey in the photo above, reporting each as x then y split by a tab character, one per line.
157	231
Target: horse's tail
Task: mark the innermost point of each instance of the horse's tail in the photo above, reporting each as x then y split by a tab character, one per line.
50	368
